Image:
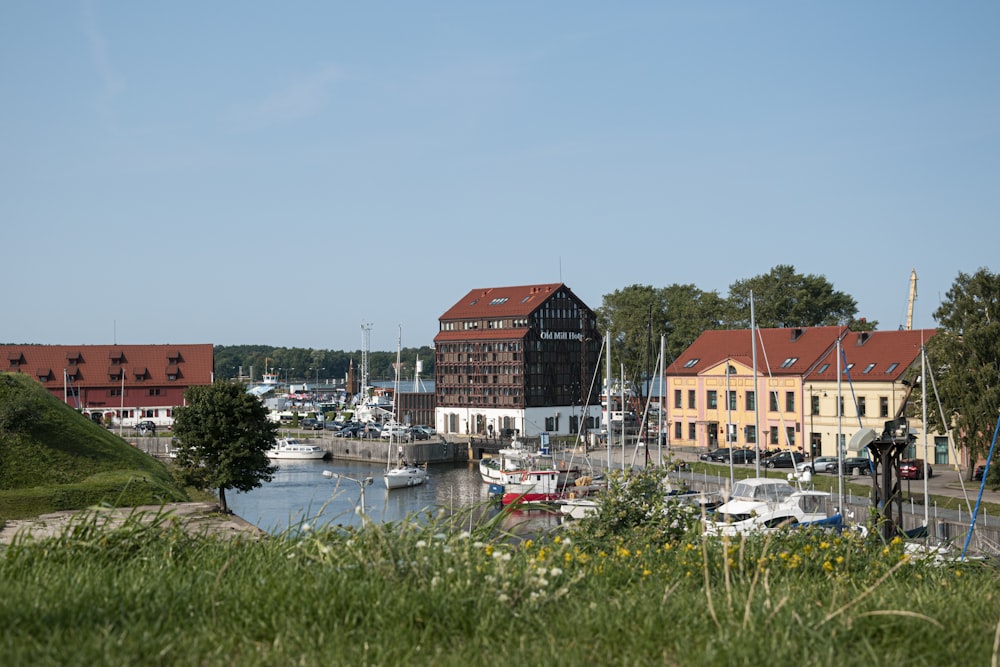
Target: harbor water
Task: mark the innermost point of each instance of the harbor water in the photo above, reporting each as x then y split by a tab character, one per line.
299	493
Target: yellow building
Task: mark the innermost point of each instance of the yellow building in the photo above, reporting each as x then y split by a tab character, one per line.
722	393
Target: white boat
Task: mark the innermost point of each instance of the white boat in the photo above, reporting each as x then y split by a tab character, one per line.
508	460
403	474
763	504
532	486
292	448
512	462
577	508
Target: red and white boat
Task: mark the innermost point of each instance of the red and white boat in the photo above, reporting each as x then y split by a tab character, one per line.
532	486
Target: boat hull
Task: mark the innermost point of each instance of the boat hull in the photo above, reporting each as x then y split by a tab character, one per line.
401	478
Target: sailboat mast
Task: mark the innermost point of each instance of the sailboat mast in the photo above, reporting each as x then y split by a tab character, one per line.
840	438
756	389
923	418
659	425
607	392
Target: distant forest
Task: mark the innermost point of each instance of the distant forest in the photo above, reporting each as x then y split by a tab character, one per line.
306	365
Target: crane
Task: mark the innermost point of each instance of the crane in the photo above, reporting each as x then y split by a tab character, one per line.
913	297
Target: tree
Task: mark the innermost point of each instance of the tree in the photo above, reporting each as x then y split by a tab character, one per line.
965	356
634	316
784	298
224	435
690	312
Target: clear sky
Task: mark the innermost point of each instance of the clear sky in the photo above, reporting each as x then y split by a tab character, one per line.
279	173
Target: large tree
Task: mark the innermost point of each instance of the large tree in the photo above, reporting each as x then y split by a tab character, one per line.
784	298
638	315
634	316
965	356
223	436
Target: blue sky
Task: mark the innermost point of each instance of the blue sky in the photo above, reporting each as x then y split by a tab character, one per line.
280	173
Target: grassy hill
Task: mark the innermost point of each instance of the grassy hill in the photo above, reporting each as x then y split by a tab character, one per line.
53	458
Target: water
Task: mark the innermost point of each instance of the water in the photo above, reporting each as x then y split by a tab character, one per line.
300	493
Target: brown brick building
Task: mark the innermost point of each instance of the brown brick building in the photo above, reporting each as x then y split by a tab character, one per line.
517	359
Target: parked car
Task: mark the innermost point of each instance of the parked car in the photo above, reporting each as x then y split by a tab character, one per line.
742	456
861	464
311	424
349	430
914	469
818	464
333	425
395	431
784	459
417	433
720	454
145	427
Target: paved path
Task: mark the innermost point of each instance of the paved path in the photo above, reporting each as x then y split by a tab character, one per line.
196	518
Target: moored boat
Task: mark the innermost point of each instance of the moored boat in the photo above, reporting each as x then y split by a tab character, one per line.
405	475
293	448
765	504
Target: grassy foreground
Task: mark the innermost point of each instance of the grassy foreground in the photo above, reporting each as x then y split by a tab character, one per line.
606	591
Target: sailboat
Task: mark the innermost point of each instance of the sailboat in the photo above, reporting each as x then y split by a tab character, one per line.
403	474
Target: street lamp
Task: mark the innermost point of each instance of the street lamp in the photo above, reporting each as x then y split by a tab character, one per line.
367	481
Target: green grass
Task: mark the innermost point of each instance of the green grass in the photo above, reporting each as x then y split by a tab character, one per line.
53	458
427	593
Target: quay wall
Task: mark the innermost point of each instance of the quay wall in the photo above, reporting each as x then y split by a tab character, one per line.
434	450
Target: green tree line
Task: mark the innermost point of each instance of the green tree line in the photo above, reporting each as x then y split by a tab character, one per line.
306	365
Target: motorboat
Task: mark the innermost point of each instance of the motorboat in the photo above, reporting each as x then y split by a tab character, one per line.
763	504
512	462
293	448
532	486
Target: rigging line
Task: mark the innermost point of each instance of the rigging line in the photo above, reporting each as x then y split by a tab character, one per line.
643	427
982	487
948	436
770	379
586	412
850	385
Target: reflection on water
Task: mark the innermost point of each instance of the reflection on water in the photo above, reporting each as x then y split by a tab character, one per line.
300	493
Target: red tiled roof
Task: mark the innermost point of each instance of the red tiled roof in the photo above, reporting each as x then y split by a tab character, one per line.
876	352
94	361
493	302
790	351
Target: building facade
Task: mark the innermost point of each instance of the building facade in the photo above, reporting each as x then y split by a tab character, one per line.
517	360
792	397
116	384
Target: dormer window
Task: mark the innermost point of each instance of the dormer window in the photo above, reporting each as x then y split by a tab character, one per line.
44	374
115	374
174	358
117	357
74	358
15	359
141	373
173	372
